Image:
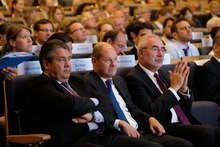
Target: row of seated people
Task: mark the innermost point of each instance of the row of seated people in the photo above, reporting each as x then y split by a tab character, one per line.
55	62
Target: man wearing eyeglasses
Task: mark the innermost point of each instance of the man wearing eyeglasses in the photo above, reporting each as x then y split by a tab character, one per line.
43	29
77	32
168	100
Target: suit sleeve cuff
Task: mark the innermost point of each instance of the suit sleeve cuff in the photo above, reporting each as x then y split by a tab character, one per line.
116	124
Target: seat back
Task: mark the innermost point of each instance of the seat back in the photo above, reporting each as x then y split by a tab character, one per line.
14	97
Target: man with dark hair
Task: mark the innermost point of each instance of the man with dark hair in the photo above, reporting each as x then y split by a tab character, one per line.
134	30
77	32
43	29
181	46
117	39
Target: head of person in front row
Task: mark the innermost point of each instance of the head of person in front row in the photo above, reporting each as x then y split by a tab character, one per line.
55	59
151	52
104	60
18	39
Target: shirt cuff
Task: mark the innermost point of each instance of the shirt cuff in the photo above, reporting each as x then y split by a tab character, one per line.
175	93
116	124
92	126
97	117
185	93
95	101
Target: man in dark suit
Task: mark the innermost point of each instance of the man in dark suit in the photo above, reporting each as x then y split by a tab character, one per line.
55	101
169	101
208	77
136	123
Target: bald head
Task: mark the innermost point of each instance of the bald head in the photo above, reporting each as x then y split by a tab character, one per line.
104	60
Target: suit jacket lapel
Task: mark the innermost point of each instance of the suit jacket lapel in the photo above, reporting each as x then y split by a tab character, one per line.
99	83
148	82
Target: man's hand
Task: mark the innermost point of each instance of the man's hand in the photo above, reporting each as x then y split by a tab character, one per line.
84	118
156	127
128	129
179	75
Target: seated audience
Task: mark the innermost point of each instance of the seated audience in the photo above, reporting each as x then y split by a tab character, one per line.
90	22
18	39
167	35
186	13
168	100
104	27
208	76
57	17
43	29
181	46
73	116
17	9
77	32
134	30
117	40
127	117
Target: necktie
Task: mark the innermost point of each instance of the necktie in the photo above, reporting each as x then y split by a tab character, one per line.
67	87
161	84
115	104
185	50
180	114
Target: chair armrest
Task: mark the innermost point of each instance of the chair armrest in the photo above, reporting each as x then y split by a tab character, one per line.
205	112
28	138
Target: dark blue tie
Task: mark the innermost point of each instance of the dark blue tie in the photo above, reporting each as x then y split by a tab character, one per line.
115	104
185	50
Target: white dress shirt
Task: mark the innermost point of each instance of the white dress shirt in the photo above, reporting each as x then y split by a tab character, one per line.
123	107
175	49
174	117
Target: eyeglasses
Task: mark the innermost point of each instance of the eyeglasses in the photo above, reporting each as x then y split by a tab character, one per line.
46	30
155	49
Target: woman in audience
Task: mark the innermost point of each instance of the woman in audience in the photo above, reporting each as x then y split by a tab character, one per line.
56	15
18	39
17	8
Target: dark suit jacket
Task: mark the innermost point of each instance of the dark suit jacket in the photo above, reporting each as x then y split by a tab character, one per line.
149	99
208	81
49	108
97	84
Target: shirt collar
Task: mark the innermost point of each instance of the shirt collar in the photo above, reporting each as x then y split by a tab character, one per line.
147	71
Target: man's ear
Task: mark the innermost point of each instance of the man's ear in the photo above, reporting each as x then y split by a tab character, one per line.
45	64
